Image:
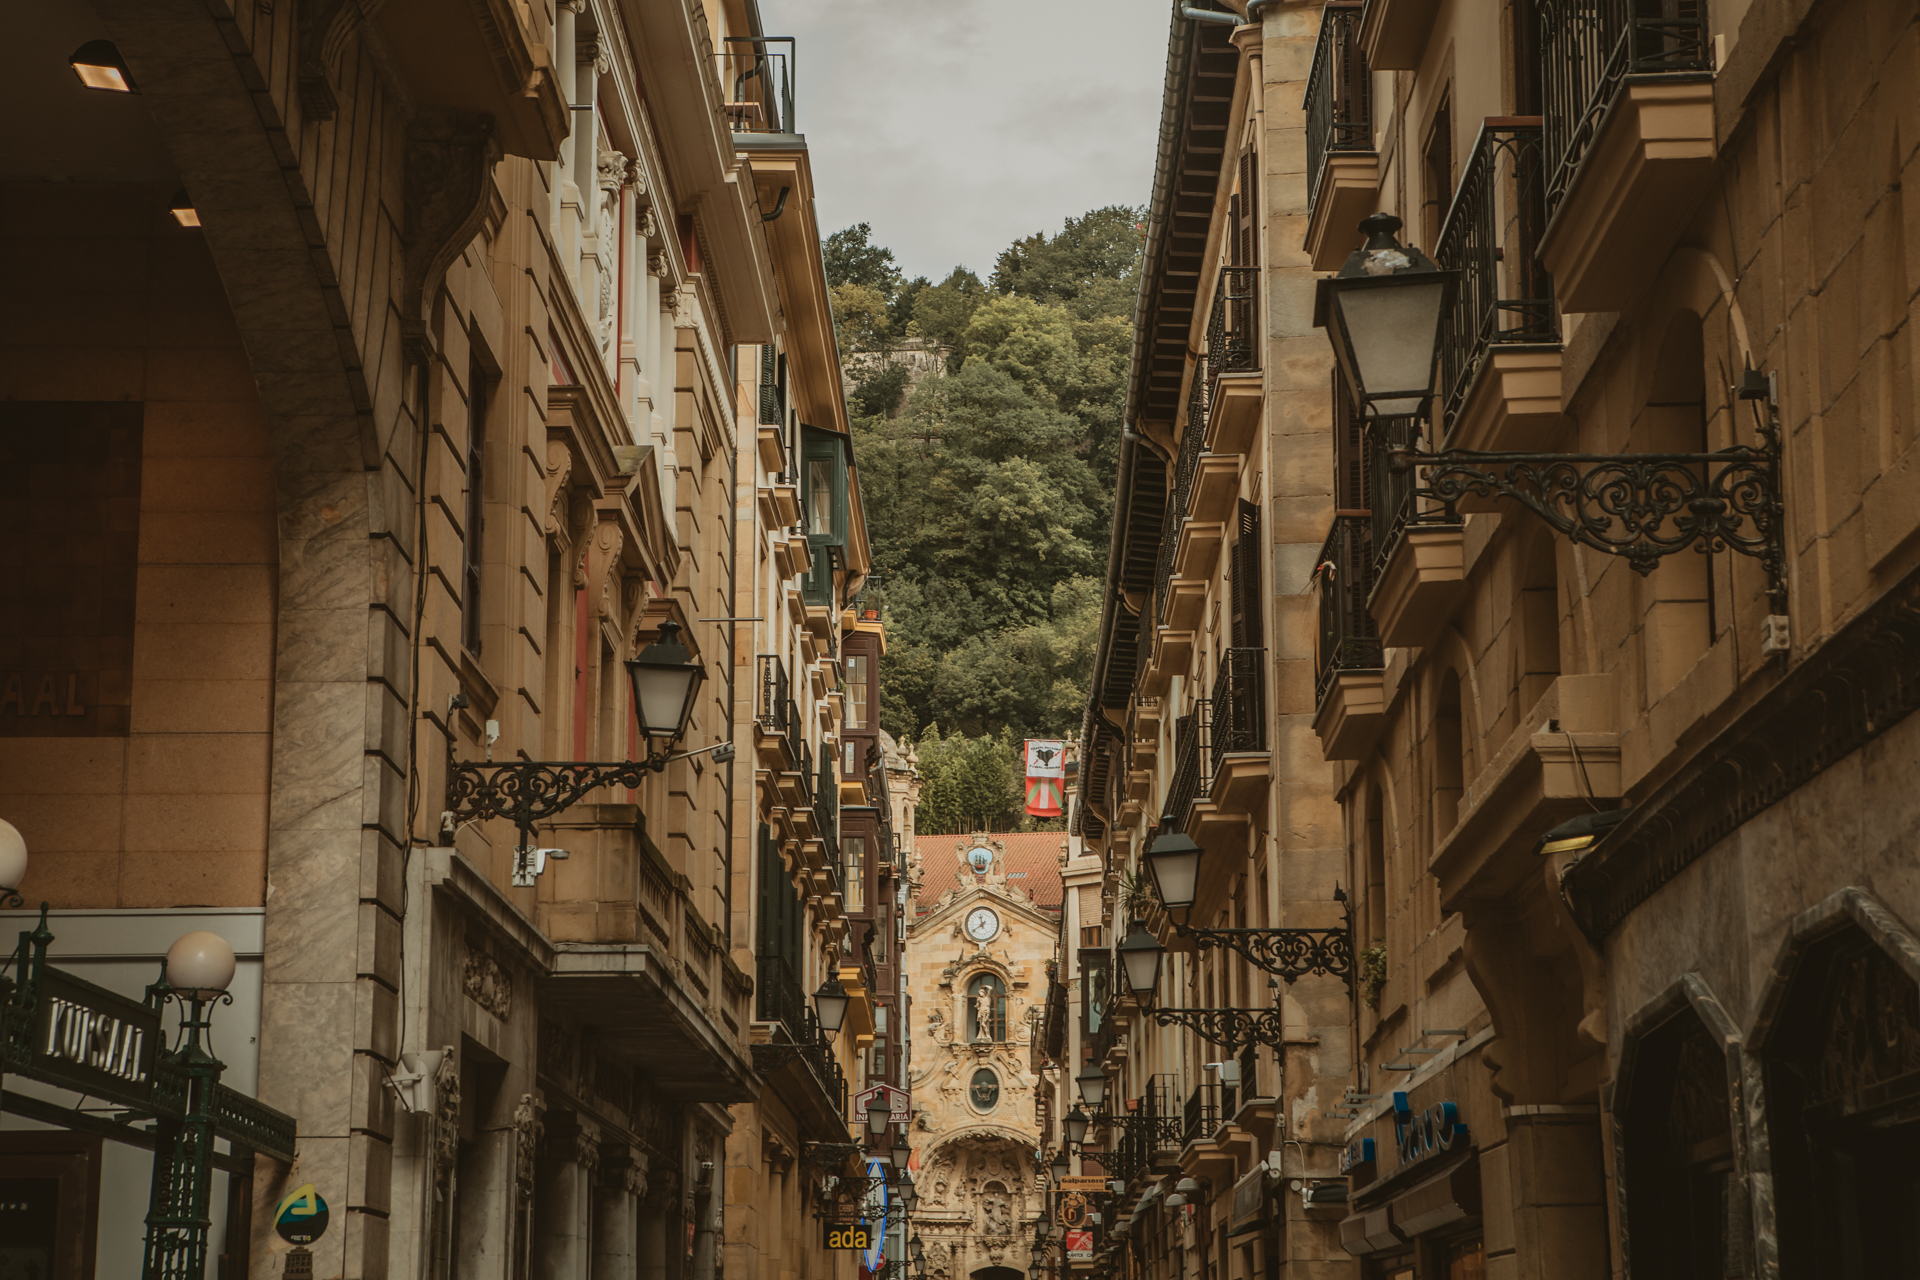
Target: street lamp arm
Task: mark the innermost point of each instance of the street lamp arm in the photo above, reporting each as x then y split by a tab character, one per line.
1229	1027
529	791
1285	953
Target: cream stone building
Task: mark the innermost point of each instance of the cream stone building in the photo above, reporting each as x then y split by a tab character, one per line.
978	956
411	370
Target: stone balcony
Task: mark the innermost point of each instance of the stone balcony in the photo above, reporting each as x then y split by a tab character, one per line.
1233	414
635	958
1423	579
1631	198
1349	190
1393	33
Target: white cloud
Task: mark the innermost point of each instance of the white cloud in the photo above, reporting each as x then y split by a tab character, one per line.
955	126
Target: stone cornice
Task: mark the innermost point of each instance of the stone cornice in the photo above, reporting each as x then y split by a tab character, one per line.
1852	689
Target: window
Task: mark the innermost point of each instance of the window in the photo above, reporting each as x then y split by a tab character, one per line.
855	849
824	471
877	1070
476	450
858	714
1437	177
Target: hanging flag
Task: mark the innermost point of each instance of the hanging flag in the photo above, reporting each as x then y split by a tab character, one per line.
1046	771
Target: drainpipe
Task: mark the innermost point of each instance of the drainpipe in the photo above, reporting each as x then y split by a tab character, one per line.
1192	14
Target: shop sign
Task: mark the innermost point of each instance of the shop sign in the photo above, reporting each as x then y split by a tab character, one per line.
1250	1197
1358	1156
1437	1129
899	1104
93	1040
1079	1245
857	1236
302	1216
1073	1209
1082	1182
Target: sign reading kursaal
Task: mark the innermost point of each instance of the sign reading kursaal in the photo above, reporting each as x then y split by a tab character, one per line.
93	1040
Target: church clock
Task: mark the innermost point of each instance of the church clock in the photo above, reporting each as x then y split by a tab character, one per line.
982	924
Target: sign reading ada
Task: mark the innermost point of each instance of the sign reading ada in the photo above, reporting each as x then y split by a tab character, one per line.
855	1235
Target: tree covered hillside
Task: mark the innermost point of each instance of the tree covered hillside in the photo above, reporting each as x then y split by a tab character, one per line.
989	490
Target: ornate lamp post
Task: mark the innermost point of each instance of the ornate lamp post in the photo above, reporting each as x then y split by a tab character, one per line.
198	969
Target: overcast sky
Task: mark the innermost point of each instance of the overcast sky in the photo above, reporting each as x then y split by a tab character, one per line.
954	126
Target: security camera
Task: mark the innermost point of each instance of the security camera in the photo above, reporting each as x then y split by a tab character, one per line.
723	753
530	864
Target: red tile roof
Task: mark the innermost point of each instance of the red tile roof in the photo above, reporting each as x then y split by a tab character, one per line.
1032	864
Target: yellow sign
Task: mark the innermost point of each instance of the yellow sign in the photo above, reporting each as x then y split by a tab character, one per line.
853	1236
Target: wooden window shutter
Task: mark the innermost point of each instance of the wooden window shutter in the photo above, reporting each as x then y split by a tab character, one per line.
1353	477
1246	248
769	386
1244	597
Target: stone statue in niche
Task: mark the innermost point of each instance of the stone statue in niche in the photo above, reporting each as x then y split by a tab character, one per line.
995	1211
983	1014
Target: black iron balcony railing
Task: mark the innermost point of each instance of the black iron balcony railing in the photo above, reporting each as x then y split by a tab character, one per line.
1349	640
796	732
1397	501
1237	722
1588	50
1190	759
1233	327
779	998
1163	573
826	812
806	773
1339	102
774	709
1186	462
1492	235
756	73
1202	1114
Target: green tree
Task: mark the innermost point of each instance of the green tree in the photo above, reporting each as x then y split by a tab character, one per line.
942	312
1093	264
851	257
968	783
859	318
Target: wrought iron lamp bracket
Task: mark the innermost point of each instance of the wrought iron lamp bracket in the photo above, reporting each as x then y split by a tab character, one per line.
828	1155
1287	954
1230	1028
527	792
1642	507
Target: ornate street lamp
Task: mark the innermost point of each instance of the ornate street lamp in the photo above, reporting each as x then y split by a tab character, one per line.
1174	862
902	1153
13	864
197	971
1382	313
879	1114
1061	1167
915	1249
830	1005
1093	1087
665	681
1140	956
1076	1126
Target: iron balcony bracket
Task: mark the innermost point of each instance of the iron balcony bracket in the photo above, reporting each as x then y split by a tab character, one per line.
1228	1027
1642	506
828	1155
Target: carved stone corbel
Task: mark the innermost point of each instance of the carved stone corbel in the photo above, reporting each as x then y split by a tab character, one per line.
322	29
559	471
449	175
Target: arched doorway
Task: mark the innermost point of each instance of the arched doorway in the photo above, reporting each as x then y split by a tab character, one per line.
1842	1071
997	1273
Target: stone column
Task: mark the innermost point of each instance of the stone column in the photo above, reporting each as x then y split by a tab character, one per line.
563	1201
616	1210
658	1235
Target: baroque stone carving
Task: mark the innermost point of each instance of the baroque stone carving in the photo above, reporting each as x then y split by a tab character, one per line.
488	985
446	1116
559	471
526	1145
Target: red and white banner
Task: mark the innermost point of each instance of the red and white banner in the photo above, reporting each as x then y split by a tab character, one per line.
1046	774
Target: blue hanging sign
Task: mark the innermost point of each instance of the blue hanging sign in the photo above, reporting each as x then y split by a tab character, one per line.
1358	1156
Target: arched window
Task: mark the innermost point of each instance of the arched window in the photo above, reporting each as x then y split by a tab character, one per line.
986	1009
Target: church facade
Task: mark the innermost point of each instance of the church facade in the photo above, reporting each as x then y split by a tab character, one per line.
983	931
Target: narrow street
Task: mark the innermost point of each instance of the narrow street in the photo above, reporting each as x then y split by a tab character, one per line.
1184	640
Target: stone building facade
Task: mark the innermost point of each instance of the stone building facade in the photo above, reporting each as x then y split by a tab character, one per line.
430	360
978	952
1633	981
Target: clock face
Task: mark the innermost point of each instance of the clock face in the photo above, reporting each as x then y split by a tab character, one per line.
982	924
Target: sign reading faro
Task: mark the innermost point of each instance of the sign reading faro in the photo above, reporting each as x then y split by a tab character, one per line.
851	1235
